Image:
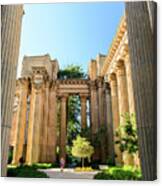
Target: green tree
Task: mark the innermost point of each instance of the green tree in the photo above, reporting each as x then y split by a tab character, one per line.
82	149
72	72
127	134
74	126
74	107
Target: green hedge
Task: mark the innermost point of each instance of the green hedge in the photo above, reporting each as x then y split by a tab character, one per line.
44	165
25	171
119	173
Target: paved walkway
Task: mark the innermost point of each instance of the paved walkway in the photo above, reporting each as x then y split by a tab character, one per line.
68	174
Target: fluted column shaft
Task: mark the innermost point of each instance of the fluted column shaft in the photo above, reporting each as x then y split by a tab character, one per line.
109	123
123	104
11	19
129	86
101	101
101	104
83	111
20	121
115	114
63	127
35	123
131	98
44	128
143	57
52	126
94	116
13	128
94	108
122	91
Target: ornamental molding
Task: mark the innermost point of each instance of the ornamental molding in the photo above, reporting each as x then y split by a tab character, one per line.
119	39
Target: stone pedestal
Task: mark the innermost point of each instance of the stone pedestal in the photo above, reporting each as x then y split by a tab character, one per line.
115	111
11	19
20	121
63	127
83	99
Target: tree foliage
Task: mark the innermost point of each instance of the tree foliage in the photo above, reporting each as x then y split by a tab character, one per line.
127	134
82	148
73	125
100	136
72	72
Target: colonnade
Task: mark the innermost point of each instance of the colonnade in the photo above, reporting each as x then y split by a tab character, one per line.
101	119
108	102
41	124
122	102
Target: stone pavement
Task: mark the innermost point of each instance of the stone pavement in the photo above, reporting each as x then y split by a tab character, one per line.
68	174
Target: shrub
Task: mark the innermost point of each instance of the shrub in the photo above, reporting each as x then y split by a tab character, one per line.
25	171
95	164
10	155
110	162
44	165
127	134
83	169
119	173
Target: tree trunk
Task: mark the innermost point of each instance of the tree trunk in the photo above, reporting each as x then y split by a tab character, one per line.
82	162
142	50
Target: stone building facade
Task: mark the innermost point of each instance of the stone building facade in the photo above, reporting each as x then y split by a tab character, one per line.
116	72
108	89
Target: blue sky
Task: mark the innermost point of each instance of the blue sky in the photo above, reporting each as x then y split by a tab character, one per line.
73	33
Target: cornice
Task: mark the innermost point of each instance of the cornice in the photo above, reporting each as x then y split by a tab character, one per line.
115	44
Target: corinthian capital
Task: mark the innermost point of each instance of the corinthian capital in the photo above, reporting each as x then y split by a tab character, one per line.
120	68
100	81
22	83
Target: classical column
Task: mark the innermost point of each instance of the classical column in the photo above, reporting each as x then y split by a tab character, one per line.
143	57
115	114
101	110
93	107
20	121
11	19
35	123
129	85
94	117
52	125
131	98
100	100
13	128
109	123
123	103
14	115
44	128
83	99
63	127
